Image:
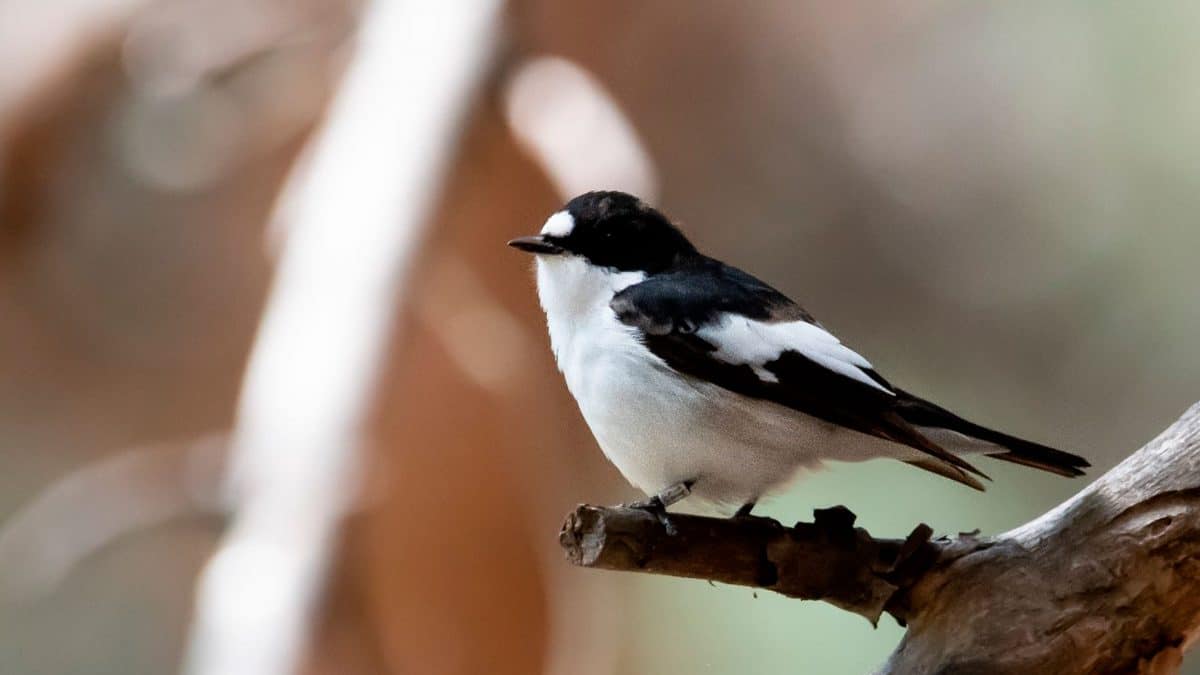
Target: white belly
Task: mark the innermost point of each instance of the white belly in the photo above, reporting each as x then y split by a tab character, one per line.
660	428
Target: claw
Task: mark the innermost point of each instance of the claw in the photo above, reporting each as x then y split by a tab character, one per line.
658	504
655	507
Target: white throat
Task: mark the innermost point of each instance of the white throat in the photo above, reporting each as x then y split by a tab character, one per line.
575	296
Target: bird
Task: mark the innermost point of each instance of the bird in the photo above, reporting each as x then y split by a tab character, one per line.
697	378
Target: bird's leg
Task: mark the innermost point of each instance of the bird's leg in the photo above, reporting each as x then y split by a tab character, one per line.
665	498
658	504
658	509
744	511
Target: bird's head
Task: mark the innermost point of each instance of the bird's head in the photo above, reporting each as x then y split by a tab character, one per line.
612	230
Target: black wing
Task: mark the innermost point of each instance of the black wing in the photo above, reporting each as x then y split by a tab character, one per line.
682	317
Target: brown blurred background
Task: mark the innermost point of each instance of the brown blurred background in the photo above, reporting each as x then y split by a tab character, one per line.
994	201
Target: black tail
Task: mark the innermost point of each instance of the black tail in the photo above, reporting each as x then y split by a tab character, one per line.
921	413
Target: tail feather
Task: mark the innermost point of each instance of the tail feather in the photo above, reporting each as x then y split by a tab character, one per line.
946	471
921	413
1068	468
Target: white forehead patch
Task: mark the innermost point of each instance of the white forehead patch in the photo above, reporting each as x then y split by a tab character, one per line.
559	225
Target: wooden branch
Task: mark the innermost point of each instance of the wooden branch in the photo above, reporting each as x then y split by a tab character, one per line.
1109	581
88	509
828	559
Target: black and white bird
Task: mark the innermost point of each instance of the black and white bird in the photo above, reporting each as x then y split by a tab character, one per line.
697	378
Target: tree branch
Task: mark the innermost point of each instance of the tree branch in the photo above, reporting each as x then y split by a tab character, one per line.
828	559
1108	581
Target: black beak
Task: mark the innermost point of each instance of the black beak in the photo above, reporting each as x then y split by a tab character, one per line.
536	244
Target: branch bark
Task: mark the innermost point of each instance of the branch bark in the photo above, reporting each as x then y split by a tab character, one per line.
828	559
1109	581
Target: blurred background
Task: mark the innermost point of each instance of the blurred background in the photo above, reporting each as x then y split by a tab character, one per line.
995	202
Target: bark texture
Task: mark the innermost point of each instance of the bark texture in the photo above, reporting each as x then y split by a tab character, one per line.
828	559
1107	582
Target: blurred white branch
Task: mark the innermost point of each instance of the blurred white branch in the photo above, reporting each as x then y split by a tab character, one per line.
356	209
576	130
44	37
92	507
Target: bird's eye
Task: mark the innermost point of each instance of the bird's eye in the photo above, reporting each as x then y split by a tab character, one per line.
686	326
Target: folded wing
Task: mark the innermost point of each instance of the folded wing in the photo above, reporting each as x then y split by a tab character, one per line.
722	325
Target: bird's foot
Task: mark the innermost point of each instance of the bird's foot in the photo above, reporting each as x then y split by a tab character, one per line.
657	505
658	509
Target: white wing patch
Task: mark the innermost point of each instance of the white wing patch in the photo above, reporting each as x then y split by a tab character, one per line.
743	341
